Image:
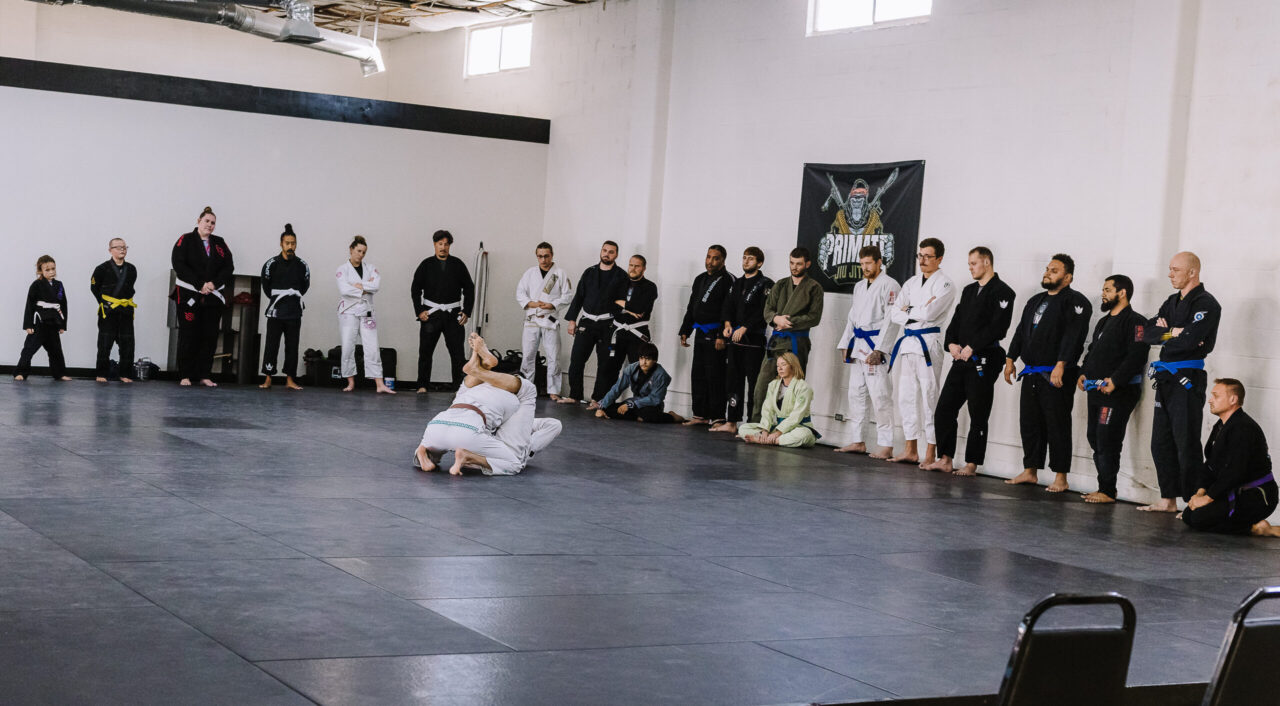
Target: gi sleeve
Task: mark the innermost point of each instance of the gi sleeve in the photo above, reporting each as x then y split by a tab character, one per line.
811	312
619	386
565	289
225	276
417	287
523	295
1015	346
1075	330
801	401
1136	349
889	329
181	267
62	301
686	326
306	277
94	287
993	328
1231	460
267	289
771	303
657	390
29	314
345	288
643	300
939	306
373	282
769	411
1186	344
468	289
1154	335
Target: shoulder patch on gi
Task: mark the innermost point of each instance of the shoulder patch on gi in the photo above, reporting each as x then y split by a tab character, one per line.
1137	333
1079	310
1004	303
892	296
1199	316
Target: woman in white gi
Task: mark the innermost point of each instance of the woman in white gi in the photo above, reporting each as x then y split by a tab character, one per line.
784	418
357	283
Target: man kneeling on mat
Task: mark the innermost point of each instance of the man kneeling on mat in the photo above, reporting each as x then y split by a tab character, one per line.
784	418
468	426
648	384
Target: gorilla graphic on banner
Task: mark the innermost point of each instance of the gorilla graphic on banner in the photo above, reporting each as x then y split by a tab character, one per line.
845	207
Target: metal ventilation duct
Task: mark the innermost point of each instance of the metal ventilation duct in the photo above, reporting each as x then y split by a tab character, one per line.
296	27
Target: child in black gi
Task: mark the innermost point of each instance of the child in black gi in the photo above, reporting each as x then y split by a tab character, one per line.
45	320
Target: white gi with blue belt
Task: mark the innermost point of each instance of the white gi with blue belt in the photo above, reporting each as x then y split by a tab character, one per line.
463	428
542	326
921	311
865	330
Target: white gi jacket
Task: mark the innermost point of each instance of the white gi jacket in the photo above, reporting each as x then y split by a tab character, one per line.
554	288
872	304
926	303
350	299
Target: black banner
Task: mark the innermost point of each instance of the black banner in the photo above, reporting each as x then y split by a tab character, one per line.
844	207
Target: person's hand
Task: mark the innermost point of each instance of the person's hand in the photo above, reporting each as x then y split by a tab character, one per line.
774	436
622	303
61	331
1080	383
966	353
684	341
1008	371
208	288
954	350
30	331
359	286
1161	323
547	305
600	413
593	405
622	409
720	344
1175	332
573	328
728	330
423	316
1055	377
739	333
1107	388
875	357
782	322
1199	500
462	319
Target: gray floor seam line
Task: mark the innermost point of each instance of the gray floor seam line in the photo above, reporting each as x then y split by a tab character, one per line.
827	669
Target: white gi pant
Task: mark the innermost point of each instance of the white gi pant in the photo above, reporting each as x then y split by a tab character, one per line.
871	381
367	329
548	339
918	389
464	429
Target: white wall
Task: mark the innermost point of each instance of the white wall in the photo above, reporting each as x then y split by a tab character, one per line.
143	171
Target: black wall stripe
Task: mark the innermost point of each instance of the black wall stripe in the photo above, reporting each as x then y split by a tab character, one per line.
157	88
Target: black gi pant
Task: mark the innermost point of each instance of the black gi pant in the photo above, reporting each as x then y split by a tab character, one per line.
1044	413
1224	516
116	328
289	328
46	336
441	323
1175	432
1108	418
743	366
769	371
198	329
590	336
626	349
707	378
965	384
652	415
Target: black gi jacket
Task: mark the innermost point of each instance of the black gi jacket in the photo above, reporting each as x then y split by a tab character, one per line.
195	267
745	307
444	282
1117	349
1197	314
280	274
982	319
105	280
639	295
593	293
1235	455
706	302
1060	334
52	292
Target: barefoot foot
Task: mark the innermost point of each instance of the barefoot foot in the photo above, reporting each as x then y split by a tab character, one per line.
1028	476
1100	498
967	470
856	447
1162	505
884	453
905	458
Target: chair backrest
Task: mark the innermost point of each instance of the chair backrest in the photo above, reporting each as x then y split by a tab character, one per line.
1243	674
1070	666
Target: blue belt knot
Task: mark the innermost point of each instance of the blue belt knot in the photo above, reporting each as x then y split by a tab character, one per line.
918	334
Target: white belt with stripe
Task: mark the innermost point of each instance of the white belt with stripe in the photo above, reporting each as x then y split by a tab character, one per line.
279	294
548	322
192	301
433	307
634	328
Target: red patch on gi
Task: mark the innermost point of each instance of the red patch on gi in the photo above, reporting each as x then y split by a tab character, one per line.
180	240
1137	333
219	249
1104	415
189	316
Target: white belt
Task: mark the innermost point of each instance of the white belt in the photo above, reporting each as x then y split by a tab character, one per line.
215	292
50	305
279	294
633	328
596	317
433	307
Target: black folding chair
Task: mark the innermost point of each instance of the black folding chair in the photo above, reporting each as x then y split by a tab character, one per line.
1243	674
1069	666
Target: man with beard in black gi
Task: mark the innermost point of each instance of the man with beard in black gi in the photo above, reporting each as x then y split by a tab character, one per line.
1049	339
745	328
1237	492
973	338
633	300
591	302
112	285
706	304
443	294
1111	377
1186	328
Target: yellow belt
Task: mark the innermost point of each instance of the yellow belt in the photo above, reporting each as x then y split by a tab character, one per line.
115	304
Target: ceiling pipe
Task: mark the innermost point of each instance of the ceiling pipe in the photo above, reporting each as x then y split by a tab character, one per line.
297	28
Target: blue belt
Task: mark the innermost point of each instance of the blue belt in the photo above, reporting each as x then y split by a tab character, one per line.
1231	498
1099	384
918	334
1173	366
860	334
1035	370
707	328
795	337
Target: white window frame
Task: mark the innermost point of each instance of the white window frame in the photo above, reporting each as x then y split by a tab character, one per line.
813	16
466	54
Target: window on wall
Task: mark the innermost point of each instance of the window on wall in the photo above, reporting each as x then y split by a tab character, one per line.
499	48
831	15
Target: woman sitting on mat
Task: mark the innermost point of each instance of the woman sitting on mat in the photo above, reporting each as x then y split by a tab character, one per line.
784	419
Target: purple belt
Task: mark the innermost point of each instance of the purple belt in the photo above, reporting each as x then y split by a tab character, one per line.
1231	499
